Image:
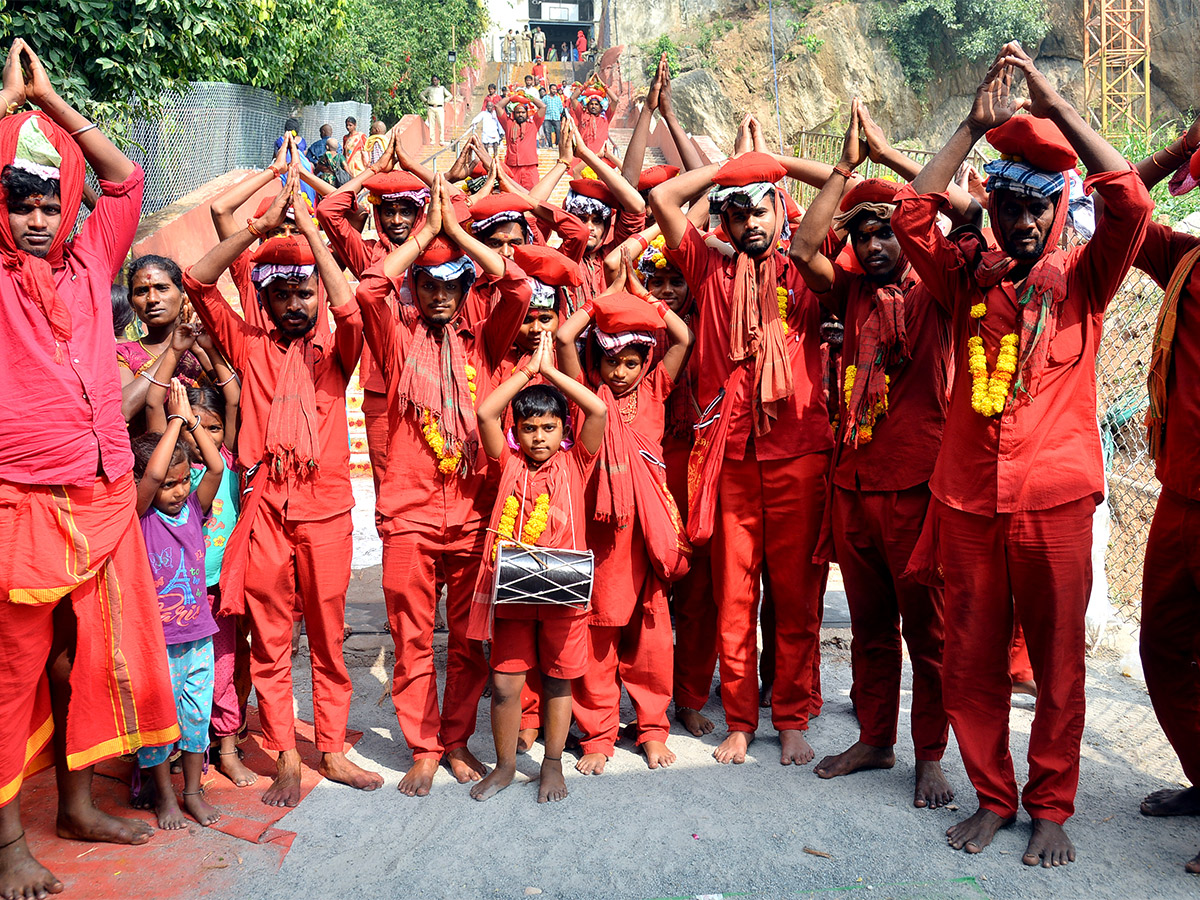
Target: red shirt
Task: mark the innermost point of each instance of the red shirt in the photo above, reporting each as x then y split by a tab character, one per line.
803	423
61	420
574	234
906	439
521	139
258	356
1043	451
413	490
593	129
1178	465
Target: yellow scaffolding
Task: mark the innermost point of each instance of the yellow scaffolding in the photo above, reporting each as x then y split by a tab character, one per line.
1116	65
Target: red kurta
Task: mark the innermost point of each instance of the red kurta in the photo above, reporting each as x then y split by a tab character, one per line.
521	140
593	129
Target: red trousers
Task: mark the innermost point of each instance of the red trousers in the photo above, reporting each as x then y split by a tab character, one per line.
1019	667
375	417
307	562
691	599
769	511
636	655
525	176
874	533
411	552
1170	641
1039	563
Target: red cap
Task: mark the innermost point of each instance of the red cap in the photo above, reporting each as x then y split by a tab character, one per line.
655	175
594	188
284	250
439	252
520	100
622	311
873	190
485	207
749	168
1035	141
547	265
396	181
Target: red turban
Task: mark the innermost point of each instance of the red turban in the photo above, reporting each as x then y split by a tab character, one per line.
621	312
656	175
1035	141
749	168
395	185
547	265
284	250
594	188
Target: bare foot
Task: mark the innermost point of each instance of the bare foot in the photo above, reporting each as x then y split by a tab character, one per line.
591	764
658	754
419	779
1193	865
932	790
464	766
23	876
1048	845
170	816
94	826
1181	802
525	739
200	809
976	832
336	767
493	783
855	758
795	748
733	748
295	637
285	787
552	787
694	721
230	764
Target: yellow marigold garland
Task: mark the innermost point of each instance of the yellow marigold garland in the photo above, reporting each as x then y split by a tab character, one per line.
865	429
781	294
534	525
989	393
447	465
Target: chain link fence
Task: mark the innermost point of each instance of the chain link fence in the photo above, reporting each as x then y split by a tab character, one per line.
1121	368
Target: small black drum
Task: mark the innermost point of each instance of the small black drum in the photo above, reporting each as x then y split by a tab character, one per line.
543	575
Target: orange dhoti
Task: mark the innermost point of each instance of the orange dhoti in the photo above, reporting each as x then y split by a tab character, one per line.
307	564
83	546
770	512
410	555
1037	565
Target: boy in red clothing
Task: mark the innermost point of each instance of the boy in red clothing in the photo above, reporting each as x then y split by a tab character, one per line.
521	127
630	631
540	502
1020	470
435	496
294	535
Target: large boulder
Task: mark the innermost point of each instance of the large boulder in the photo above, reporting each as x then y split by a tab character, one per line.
703	108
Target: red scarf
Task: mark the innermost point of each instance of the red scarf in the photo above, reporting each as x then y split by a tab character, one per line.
755	329
291	438
882	345
37	274
434	381
614	480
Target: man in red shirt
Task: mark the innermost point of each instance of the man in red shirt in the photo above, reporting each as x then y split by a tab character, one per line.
521	127
83	665
892	403
1171	586
1020	471
592	108
293	446
766	456
435	497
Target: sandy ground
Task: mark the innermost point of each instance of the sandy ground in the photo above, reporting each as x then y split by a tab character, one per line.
699	828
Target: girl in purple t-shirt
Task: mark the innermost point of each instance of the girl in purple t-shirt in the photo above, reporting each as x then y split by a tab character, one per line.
172	517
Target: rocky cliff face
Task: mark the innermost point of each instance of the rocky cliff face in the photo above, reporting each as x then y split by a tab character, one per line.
836	53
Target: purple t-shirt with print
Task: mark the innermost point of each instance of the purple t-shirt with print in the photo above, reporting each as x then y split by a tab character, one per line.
176	550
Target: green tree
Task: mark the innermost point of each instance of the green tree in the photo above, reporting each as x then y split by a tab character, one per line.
922	32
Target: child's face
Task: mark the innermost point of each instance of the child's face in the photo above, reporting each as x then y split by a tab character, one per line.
669	286
539	437
173	492
622	370
212	424
537	321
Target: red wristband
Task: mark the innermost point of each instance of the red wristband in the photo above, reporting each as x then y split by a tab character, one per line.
254	231
590	308
844	172
660	307
641	239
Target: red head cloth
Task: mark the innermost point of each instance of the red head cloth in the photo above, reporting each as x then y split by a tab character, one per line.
1194	166
548	266
792	210
397	185
521	100
873	190
1036	142
594	188
284	250
494	208
37	275
594	93
622	312
439	252
749	168
655	175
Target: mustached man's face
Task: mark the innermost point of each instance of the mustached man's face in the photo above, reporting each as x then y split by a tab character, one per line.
751	227
875	246
1023	224
34	223
396	218
438	300
293	306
